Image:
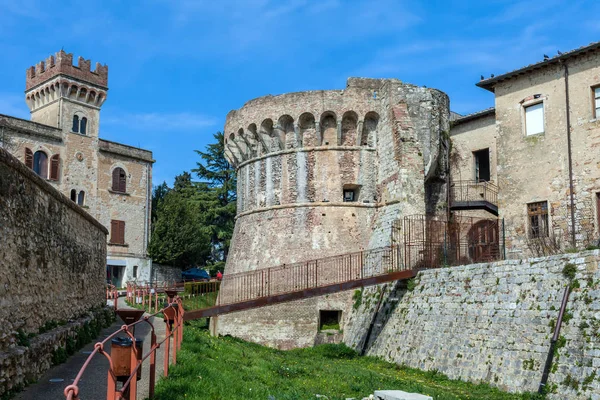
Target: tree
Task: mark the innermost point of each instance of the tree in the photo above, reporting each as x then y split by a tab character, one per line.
158	194
179	236
220	181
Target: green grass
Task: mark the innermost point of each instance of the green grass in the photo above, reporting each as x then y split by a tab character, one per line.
229	368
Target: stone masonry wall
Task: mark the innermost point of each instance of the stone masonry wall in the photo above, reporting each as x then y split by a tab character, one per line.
53	254
491	323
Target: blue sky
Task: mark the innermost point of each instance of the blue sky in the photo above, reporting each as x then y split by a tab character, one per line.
177	67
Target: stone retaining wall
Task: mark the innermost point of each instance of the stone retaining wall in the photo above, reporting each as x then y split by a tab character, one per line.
491	323
23	364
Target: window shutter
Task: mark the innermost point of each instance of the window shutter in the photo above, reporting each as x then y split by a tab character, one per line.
54	165
115	179
28	158
114	228
122	182
122	232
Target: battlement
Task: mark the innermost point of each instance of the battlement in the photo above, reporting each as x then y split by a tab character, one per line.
62	64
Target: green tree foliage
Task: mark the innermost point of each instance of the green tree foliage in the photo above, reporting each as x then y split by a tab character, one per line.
219	177
192	223
179	237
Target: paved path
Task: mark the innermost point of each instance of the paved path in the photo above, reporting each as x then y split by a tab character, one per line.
93	383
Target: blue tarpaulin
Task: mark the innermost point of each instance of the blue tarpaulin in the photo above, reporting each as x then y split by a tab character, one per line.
195	274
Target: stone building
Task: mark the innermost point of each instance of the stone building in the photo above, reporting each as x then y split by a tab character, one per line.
61	143
538	150
324	173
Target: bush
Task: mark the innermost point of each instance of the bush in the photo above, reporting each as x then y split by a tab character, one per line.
569	271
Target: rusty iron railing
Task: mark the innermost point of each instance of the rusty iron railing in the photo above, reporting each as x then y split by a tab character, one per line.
311	274
173	318
149	297
471	194
112	294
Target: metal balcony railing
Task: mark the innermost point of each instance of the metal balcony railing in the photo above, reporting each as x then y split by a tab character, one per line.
474	195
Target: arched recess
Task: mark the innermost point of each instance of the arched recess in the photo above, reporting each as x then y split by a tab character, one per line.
266	131
349	127
369	130
260	143
329	129
308	135
243	144
285	127
234	149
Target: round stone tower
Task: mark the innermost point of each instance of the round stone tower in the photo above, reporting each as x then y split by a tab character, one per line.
323	173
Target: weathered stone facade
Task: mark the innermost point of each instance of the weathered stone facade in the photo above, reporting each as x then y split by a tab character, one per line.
534	168
52	267
296	154
491	323
61	97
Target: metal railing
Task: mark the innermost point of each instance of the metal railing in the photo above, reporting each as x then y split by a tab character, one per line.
472	193
173	318
313	274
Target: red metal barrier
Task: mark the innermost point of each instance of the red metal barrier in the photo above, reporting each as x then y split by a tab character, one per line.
173	314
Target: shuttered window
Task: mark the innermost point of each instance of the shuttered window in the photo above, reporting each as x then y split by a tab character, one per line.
29	158
54	167
534	119
597	102
119	180
117	232
40	164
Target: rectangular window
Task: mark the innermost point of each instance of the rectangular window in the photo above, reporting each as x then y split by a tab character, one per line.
596	102
598	211
349	195
482	165
534	119
117	232
330	319
538	219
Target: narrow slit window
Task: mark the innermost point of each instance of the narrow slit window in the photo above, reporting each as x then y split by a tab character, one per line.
81	198
83	126
75	127
534	119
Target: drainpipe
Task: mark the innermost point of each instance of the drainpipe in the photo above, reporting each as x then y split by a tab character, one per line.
549	359
569	151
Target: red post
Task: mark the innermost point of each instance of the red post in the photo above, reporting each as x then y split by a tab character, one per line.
152	365
111	386
133	363
167	345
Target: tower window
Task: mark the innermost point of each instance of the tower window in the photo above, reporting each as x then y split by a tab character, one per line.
135	268
79	125
81	198
73	195
40	164
75	127
119	180
351	193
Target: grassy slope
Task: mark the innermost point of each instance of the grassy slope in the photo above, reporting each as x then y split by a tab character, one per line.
229	368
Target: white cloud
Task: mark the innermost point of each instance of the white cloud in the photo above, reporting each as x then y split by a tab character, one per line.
160	121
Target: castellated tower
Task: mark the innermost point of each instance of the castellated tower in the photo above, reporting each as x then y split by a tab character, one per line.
69	97
323	173
55	88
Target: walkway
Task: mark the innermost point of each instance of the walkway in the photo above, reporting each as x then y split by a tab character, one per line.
93	383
